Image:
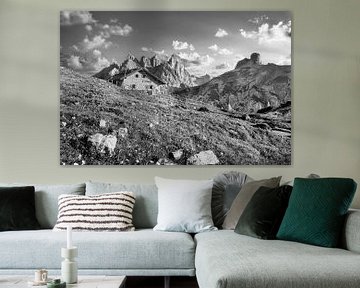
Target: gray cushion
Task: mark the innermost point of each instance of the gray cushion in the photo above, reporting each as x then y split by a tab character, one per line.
243	198
184	205
144	249
225	189
247	262
46	200
351	235
146	204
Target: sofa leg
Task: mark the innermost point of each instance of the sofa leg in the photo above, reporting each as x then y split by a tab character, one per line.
167	282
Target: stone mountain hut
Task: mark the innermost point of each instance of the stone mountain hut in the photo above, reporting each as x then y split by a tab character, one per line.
139	79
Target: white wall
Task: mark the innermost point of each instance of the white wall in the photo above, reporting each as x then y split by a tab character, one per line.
326	90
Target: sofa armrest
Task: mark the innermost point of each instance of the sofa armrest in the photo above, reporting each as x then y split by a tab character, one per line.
351	234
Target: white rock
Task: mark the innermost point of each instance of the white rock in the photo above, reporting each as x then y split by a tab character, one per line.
101	142
123	132
177	154
203	158
102	123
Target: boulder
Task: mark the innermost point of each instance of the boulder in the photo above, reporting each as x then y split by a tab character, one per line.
102	142
164	161
176	155
123	132
102	123
203	158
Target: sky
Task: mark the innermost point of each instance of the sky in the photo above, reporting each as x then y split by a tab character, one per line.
209	42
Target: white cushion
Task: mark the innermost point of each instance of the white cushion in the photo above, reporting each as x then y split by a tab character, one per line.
184	205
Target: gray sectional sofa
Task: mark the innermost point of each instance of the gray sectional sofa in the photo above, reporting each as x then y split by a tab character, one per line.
219	259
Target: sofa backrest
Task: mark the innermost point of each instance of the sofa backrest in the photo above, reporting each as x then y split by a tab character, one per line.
146	203
46	200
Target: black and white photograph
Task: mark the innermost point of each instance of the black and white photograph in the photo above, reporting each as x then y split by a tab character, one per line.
175	88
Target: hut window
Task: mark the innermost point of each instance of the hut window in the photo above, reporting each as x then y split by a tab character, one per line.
133	86
151	86
143	75
137	75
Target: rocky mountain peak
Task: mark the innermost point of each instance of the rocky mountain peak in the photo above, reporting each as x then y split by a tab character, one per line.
155	61
129	64
254	60
174	60
130	56
145	62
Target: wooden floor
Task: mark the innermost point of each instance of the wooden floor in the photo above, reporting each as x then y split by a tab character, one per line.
158	282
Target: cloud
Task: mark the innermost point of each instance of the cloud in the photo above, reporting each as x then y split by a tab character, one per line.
225	51
265	34
222	51
68	18
221	33
120	31
284	60
275	41
194	58
114	20
74	62
90	62
258	20
222	66
214	48
178	45
88	28
107	30
87	44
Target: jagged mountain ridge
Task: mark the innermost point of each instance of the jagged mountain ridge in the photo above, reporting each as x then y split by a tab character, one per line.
108	72
172	71
248	88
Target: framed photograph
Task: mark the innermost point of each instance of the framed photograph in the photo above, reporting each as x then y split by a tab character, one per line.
175	88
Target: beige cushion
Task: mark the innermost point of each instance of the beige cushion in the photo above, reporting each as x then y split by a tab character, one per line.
243	198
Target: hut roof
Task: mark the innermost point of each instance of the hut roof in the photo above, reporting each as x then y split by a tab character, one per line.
122	75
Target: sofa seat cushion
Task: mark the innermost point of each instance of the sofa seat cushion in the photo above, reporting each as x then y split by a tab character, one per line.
142	249
226	259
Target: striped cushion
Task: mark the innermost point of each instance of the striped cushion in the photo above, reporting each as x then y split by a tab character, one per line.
105	212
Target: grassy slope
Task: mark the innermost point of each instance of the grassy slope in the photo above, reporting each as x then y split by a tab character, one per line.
157	125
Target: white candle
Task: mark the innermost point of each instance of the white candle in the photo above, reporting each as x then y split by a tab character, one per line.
69	239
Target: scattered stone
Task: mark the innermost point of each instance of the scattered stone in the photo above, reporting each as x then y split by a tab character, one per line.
203	158
76	164
83	162
64	124
263	126
80	135
176	155
164	161
151	125
233	132
203	109
102	142
102	123
123	132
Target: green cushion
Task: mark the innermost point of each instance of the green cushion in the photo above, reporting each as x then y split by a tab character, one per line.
263	215
316	211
